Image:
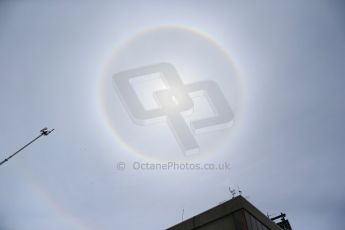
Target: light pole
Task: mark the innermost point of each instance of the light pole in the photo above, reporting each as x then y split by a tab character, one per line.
44	132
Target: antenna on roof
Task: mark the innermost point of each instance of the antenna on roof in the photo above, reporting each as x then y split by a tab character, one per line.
233	192
182	213
43	132
239	190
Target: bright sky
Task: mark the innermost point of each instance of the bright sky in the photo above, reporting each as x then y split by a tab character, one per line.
286	150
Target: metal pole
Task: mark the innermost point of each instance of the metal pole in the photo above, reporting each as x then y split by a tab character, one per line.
44	132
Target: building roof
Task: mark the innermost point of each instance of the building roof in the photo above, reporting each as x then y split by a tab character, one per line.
228	208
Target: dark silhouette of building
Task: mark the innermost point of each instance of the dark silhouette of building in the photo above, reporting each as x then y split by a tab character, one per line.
283	223
235	214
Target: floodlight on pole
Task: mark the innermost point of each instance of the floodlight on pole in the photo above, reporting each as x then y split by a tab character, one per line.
43	132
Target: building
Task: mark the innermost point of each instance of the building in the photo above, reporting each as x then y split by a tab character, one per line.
235	214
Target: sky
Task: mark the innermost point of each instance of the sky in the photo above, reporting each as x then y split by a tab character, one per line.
285	147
